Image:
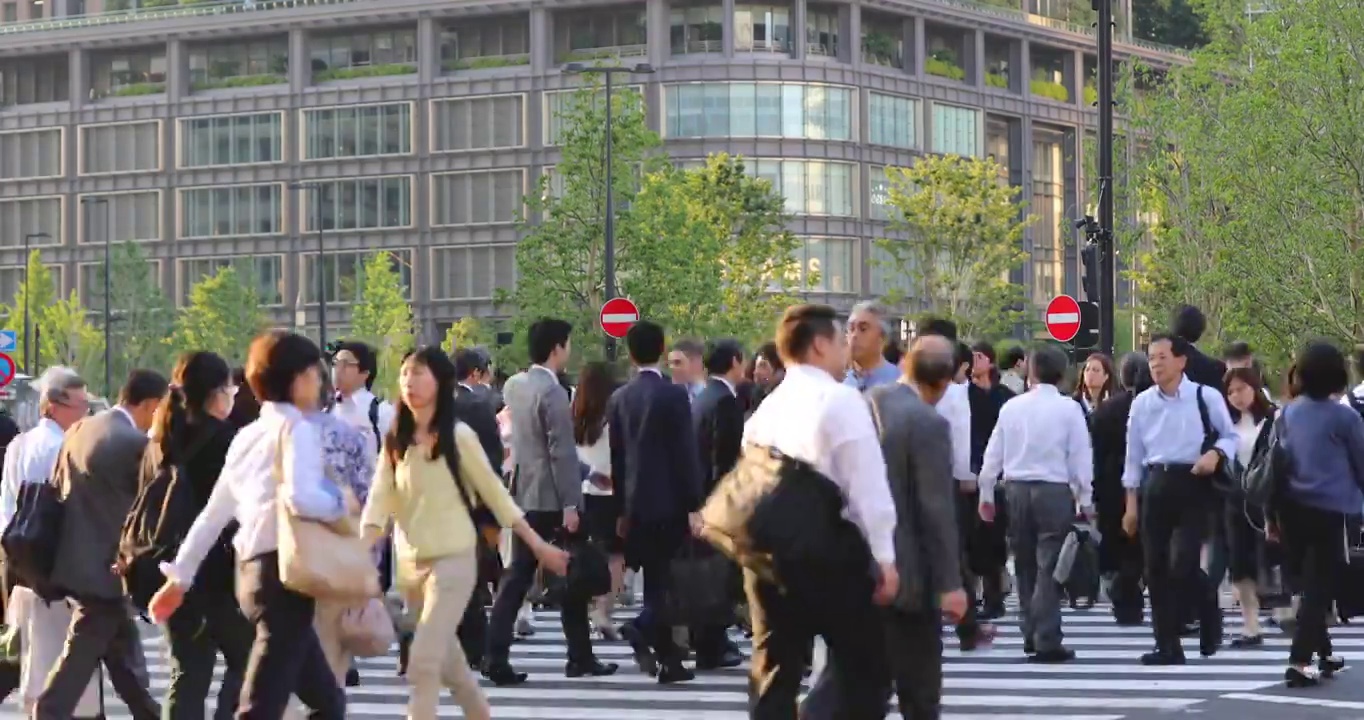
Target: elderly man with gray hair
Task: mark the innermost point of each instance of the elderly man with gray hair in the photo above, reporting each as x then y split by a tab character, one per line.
868	332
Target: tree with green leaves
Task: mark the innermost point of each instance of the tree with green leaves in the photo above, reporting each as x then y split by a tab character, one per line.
382	316
143	318
467	332
37	292
562	251
1255	179
711	255
70	339
960	234
223	314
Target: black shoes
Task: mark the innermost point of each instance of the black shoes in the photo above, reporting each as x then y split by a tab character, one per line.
727	659
1054	656
644	656
1160	657
594	668
502	675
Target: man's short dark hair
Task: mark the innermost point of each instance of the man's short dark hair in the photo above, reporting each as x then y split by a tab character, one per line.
1179	345
690	348
800	325
469	361
1013	356
1238	350
985	348
721	356
938	326
964	355
274	360
544	336
646	342
141	386
1189	323
1048	364
1134	372
366	360
1321	370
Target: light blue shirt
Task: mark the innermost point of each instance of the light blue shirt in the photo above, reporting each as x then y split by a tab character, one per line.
883	374
1169	429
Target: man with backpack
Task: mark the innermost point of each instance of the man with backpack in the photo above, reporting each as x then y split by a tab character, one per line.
355	367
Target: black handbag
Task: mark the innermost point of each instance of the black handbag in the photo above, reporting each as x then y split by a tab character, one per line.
589	572
1223	478
700	591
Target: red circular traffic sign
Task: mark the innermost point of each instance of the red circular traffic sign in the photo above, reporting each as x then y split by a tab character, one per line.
1063	318
617	315
7	369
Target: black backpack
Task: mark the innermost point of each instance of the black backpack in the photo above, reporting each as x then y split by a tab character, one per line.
157	524
31	539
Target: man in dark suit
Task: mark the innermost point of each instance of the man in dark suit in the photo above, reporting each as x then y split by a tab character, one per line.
657	481
97	479
474	407
719	421
1190	323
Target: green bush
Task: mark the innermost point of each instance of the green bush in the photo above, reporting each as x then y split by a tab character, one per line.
485	63
944	68
364	71
135	89
997	80
1049	89
1091	95
239	81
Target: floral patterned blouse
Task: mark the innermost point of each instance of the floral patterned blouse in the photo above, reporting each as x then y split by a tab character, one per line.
346	457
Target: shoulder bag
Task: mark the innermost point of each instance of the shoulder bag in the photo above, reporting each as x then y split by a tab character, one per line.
1222	478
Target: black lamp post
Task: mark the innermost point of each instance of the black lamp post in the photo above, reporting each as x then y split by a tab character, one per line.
316	190
609	248
108	310
28	290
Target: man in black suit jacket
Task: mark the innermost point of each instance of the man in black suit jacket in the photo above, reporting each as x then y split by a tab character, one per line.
657	482
718	417
1190	323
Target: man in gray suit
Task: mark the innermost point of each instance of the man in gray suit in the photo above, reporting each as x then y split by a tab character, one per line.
547	484
97	478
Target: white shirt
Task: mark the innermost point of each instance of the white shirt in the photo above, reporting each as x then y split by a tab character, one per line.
1247	432
815	418
354	410
597	457
1041	436
955	407
245	490
30	459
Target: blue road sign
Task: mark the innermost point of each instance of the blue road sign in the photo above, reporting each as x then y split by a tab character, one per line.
9	341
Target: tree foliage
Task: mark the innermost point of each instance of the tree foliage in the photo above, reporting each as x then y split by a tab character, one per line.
720	261
382	317
60	327
223	314
961	233
1256	177
143	318
467	332
36	293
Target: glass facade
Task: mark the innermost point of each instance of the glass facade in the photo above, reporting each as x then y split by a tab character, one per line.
474	272
31	154
343	274
266	271
245	63
132	216
121	148
358	131
33	80
91	276
893	120
235	211
956	130
29	216
816	112
481	43
556	104
122	73
696	29
478	123
811	187
1048	204
481	197
231	140
333	55
827	265
821	31
370	203
762	28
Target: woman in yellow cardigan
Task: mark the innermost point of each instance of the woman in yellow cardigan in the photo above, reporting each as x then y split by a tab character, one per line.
436	556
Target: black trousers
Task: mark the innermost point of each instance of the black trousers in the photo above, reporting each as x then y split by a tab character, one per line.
205	626
517	580
1315	541
102	630
1175	508
968	522
473	629
286	658
914	646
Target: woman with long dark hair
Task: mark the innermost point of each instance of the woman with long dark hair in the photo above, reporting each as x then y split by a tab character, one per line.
433	475
595	385
1253	416
1096	382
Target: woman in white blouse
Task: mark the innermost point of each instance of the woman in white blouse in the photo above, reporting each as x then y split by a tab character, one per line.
1253	415
595	384
286	657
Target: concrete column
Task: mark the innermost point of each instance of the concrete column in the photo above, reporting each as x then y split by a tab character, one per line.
1024	86
975	70
300	61
727	33
798	14
850	27
1075	77
657	19
78	78
428	51
918	49
541	41
177	71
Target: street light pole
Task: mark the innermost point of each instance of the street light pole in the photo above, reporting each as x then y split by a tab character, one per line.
28	290
316	190
1107	260
609	244
108	311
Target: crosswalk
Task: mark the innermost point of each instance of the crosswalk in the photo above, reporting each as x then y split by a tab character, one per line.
1104	683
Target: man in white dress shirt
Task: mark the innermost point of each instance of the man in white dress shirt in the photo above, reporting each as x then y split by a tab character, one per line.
355	367
1041	447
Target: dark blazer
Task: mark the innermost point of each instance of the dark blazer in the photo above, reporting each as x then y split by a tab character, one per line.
655	468
718	417
475	410
1204	370
97	478
985	406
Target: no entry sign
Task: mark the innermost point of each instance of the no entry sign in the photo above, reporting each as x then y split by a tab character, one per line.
1063	318
617	315
7	369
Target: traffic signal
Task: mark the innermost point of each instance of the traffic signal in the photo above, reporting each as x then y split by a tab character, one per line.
1089	271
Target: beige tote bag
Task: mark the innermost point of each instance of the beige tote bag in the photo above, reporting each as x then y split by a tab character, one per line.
326	561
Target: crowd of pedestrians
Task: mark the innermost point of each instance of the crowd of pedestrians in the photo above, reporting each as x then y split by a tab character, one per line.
286	518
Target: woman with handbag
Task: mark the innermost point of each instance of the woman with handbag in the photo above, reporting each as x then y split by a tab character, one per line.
1253	415
431	472
292	544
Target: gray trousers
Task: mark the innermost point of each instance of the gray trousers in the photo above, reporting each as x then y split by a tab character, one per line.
1040	516
102	631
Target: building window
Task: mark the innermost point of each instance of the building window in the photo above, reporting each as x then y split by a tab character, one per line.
91	277
33	80
478	123
122	73
359	131
811	187
375	54
817	112
245	63
30	216
997	144
1048	204
483	197
343	274
697	29
893	121
826	265
586	35
121	148
361	204
474	272
31	154
821	31
493	42
12	277
762	28
10	14
556	103
233	211
956	130
265	271
231	140
131	217
878	187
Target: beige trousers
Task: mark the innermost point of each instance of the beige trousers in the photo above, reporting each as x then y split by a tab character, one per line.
437	592
327	622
